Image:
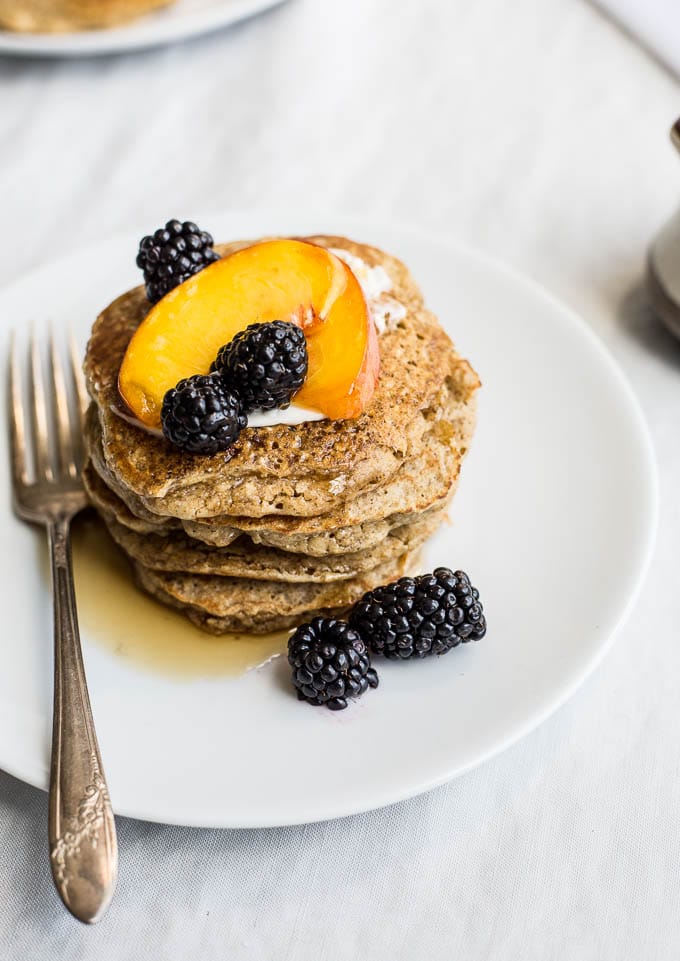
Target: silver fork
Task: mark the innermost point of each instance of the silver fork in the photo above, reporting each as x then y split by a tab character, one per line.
81	828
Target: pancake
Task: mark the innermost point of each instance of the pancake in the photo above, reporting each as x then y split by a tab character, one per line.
62	16
221	605
427	480
175	552
296	471
107	501
327	544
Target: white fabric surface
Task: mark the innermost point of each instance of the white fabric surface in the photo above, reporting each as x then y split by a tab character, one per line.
536	131
655	22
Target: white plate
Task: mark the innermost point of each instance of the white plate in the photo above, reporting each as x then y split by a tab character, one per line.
554	521
185	19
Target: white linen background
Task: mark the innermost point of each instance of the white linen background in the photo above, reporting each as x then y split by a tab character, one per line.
537	132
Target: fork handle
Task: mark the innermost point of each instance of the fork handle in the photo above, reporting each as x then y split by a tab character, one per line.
81	828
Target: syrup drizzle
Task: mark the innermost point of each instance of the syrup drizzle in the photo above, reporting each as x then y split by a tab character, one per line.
116	615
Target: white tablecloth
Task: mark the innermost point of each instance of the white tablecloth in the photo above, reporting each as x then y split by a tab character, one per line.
536	131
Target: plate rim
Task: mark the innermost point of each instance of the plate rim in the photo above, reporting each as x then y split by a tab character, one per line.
356	223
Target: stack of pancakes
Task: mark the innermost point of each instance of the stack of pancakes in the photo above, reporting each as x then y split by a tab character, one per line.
292	521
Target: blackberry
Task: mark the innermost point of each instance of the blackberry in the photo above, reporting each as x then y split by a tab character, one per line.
201	416
172	254
266	364
330	663
416	617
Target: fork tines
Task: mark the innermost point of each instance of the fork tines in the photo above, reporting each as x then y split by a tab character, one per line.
53	431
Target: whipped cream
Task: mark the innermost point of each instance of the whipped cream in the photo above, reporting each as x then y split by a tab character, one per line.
294	414
375	283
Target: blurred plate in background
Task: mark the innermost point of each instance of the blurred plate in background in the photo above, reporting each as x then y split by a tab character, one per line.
184	19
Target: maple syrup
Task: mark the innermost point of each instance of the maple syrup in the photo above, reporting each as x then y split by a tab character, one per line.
115	614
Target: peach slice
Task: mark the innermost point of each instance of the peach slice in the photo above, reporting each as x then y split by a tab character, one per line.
273	280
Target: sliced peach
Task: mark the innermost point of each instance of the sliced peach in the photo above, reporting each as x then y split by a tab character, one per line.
334	385
274	280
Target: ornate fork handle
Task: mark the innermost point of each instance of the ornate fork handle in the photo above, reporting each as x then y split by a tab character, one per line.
82	837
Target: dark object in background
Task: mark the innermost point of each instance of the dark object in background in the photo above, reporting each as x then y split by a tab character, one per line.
663	265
